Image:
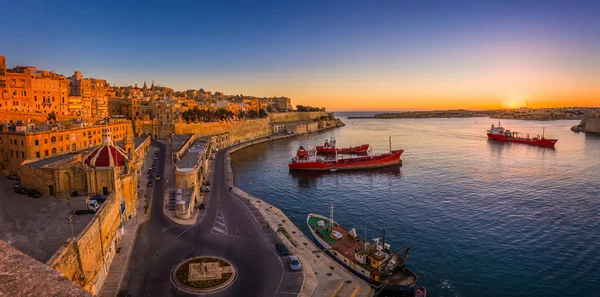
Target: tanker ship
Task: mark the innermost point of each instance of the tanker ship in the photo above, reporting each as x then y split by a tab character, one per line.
374	261
329	148
306	161
500	134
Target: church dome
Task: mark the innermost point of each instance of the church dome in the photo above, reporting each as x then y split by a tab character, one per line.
106	155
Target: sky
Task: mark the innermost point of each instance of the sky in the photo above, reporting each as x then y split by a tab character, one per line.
343	55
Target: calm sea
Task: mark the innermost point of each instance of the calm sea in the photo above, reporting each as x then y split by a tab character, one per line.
483	218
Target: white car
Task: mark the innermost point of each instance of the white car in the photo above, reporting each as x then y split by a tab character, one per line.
295	263
206	189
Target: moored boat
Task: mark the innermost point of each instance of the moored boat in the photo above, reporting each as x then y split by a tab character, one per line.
367	162
329	148
371	261
500	134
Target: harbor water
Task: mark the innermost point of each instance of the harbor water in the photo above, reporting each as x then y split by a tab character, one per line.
483	218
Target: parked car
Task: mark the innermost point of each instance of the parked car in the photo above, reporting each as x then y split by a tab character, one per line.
100	198
13	177
155	156
208	183
34	193
157	177
150	184
295	264
74	194
282	249
202	206
17	184
207	189
21	190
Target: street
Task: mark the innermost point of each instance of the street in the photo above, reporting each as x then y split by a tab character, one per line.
231	229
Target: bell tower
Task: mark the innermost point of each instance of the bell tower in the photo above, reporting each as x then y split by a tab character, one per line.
129	144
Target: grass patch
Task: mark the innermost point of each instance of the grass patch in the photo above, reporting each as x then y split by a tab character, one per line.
286	234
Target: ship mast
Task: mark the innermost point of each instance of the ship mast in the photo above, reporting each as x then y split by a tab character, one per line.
331	217
390	144
543	132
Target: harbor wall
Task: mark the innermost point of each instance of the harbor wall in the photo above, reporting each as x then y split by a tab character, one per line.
589	124
296	116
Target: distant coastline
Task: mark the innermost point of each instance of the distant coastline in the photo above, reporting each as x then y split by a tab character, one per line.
537	114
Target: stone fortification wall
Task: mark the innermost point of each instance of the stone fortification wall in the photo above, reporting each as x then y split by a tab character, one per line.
296	116
238	131
86	259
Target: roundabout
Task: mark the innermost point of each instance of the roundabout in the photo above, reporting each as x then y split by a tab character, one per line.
204	274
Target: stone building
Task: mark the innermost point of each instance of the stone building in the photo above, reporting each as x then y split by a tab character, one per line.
27	89
96	91
21	142
103	169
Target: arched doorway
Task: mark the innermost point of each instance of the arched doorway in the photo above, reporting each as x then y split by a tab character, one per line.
66	181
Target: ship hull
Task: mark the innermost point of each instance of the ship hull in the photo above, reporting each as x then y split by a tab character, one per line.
327	249
381	161
536	142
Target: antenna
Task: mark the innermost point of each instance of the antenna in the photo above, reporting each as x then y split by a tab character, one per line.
390	144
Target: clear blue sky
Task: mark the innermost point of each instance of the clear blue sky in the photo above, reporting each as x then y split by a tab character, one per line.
314	50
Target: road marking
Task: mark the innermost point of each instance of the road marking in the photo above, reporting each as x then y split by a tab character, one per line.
221	224
167	228
219	230
287	293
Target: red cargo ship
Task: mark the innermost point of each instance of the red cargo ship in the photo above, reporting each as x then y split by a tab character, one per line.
306	161
329	148
500	134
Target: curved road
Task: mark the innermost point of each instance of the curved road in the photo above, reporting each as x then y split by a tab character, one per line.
231	229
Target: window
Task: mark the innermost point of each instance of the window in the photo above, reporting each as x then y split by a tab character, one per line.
24	93
37	154
45	140
11	153
22	82
22	142
36	142
53	151
34	84
10	140
34	98
74	146
46	153
23	155
60	138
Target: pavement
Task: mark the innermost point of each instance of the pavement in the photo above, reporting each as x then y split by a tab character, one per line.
36	226
229	230
118	267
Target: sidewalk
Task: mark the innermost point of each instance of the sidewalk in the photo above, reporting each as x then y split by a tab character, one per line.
119	265
322	275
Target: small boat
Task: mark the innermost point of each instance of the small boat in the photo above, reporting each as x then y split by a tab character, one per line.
374	262
500	134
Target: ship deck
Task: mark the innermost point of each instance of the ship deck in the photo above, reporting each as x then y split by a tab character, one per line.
346	245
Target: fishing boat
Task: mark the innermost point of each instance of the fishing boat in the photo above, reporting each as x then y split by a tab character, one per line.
306	161
498	133
374	261
329	148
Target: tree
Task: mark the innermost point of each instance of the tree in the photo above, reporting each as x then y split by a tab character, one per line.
262	113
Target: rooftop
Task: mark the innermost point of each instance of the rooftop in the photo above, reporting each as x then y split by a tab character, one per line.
190	159
24	276
177	141
41	163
